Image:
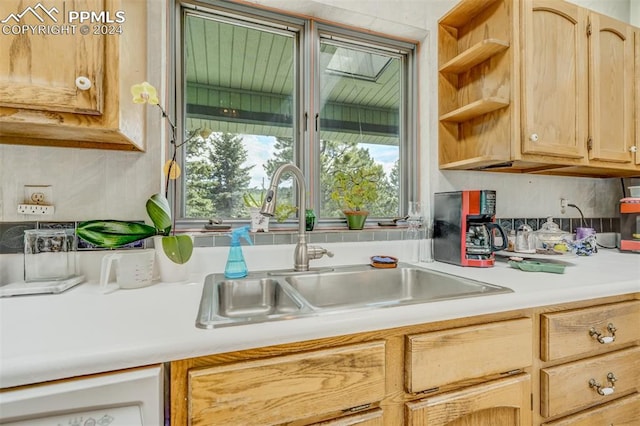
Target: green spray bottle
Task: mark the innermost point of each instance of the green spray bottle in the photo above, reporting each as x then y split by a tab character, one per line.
236	266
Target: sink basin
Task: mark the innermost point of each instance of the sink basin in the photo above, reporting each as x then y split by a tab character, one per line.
248	298
396	286
227	301
268	296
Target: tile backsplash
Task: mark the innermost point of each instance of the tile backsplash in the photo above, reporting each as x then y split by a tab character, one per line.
12	233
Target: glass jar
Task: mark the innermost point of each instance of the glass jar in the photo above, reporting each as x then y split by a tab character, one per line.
49	255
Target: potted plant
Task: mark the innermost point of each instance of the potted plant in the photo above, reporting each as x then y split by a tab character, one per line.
116	233
354	190
173	251
259	223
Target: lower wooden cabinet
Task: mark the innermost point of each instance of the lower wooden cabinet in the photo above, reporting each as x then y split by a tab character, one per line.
622	412
593	329
504	402
456	355
580	384
288	388
529	367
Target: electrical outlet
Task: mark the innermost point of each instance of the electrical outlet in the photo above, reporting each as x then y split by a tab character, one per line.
563	205
36	209
38	194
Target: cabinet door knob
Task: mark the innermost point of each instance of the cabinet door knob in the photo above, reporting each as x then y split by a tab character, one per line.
534	137
604	339
633	149
604	391
83	83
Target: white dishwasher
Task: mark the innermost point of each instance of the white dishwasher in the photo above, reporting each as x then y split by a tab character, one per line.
125	398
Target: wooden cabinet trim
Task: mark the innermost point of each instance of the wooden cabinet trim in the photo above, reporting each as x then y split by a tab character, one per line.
368	418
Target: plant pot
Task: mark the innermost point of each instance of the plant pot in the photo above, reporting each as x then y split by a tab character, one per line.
259	222
169	271
356	218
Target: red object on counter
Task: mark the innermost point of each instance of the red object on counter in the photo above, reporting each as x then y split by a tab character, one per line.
629	224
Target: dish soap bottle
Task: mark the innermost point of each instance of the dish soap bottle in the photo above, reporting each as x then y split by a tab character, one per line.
236	266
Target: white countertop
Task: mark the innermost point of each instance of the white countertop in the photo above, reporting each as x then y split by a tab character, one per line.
83	331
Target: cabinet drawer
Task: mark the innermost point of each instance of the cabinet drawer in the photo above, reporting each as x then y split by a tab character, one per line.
443	357
622	412
498	402
286	388
565	334
566	387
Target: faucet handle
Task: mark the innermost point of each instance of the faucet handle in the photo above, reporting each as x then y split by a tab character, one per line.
316	252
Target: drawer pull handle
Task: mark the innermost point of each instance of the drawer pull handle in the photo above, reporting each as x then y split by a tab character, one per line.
604	339
605	391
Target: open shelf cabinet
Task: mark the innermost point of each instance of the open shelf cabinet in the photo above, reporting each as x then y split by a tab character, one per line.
475	81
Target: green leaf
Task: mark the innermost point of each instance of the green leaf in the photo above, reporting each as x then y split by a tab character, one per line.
113	233
159	211
178	248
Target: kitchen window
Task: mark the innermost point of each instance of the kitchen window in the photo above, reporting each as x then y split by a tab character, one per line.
258	89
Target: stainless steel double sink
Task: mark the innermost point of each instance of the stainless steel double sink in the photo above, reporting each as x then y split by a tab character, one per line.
281	295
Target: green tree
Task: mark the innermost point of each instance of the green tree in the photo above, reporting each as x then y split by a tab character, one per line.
283	148
387	203
283	153
339	156
216	178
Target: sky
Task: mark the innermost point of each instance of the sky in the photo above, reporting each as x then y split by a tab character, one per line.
261	148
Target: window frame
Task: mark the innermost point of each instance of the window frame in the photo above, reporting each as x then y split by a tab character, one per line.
306	153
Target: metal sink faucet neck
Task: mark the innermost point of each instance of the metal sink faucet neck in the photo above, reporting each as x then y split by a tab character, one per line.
302	253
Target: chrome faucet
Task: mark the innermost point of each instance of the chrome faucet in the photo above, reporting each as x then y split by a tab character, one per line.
302	253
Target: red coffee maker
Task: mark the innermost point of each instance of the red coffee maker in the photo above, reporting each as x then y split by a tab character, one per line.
464	228
630	224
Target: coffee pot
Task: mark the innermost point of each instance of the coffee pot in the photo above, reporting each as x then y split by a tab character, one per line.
480	238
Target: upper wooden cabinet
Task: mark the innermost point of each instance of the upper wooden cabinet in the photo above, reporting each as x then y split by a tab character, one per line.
562	90
612	87
636	147
67	83
554	79
41	71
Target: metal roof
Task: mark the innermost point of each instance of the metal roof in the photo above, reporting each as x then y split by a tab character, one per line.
240	79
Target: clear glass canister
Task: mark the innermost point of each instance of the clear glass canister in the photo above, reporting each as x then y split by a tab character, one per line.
49	254
551	237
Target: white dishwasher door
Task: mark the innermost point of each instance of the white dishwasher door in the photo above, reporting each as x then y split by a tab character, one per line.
127	398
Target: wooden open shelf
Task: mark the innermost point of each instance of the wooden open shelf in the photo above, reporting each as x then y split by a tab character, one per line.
465	12
475	55
475	109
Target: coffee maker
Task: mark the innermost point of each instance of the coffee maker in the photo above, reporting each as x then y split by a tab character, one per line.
464	227
630	224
